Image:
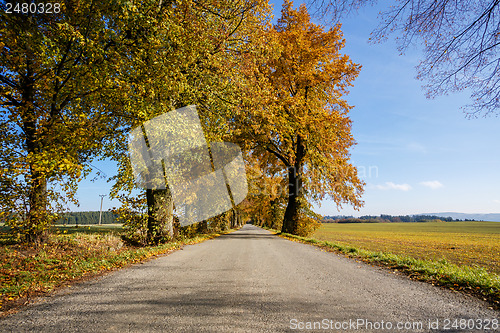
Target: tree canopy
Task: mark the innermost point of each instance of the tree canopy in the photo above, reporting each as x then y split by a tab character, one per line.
56	72
75	83
303	120
188	57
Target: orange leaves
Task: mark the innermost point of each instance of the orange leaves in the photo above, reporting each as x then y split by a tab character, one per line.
299	115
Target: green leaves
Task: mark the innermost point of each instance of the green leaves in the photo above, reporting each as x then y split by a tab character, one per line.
56	78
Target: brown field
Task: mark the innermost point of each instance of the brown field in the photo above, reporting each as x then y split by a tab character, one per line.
475	244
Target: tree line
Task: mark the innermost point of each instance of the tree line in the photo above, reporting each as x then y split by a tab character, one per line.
89	217
385	218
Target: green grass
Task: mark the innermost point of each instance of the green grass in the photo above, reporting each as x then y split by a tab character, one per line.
70	254
474	244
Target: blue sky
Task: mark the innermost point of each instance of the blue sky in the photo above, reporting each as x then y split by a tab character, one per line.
416	155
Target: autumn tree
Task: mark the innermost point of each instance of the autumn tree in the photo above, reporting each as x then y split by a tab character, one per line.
186	55
460	39
56	73
267	194
302	119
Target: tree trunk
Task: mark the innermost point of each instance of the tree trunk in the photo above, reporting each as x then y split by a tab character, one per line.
34	228
160	215
274	224
233	218
202	227
37	221
238	218
292	212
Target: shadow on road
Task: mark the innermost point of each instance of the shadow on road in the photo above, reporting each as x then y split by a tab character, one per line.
187	308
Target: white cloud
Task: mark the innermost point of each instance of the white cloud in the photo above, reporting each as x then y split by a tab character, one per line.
392	186
433	184
417	148
496	201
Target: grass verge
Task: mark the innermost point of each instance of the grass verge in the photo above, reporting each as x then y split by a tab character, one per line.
27	272
476	281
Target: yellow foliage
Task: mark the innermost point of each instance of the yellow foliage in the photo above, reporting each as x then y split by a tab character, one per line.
292	109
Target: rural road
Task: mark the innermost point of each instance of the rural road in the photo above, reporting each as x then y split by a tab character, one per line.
250	281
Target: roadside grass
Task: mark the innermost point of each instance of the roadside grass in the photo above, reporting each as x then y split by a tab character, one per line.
473	280
88	229
68	256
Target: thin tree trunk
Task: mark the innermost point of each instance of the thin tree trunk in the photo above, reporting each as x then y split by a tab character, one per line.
233	218
238	218
274	214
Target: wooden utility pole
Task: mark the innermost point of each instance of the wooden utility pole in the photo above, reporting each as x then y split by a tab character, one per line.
100	212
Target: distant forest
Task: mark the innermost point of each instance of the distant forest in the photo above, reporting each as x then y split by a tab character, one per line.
83	218
387	218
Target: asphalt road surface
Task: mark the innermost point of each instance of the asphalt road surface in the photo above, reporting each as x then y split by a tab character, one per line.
253	281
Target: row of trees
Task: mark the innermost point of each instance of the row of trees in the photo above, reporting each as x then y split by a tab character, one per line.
74	83
385	218
92	217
